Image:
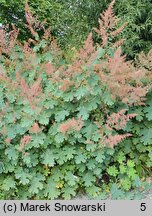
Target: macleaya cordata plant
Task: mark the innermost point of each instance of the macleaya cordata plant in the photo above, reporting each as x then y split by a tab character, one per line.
60	122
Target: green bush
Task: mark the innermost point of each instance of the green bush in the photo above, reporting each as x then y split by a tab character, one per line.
60	122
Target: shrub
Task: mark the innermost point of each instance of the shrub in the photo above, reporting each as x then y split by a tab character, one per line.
60	122
84	15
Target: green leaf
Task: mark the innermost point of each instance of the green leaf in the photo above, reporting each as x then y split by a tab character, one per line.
11	153
11	97
27	109
121	157
1	100
81	167
9	167
37	140
92	104
11	132
60	116
8	183
22	175
26	122
140	113
101	52
97	171
89	130
68	96
69	152
44	118
99	156
61	157
50	103
93	82
88	179
80	158
112	171
10	117
150	155
36	183
146	137
59	138
20	130
91	164
107	99
148	111
122	169
91	148
27	160
68	192
131	172
56	174
137	183
83	113
116	192
2	167
71	179
81	92
93	191
126	184
130	163
51	191
48	158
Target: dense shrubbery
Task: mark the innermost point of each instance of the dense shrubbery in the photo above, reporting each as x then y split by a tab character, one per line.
61	122
72	20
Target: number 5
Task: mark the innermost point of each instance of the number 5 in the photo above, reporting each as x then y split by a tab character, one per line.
143	207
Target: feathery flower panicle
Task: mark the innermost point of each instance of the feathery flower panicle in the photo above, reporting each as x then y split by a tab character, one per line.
47	36
88	48
108	16
29	16
118	43
114	122
65	84
24	87
8	140
118	30
108	27
24	141
30	20
33	24
2	40
33	93
49	68
118	120
111	141
13	35
27	49
4	110
82	58
8	40
137	95
116	63
102	32
118	75
35	89
71	124
35	128
64	76
144	62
